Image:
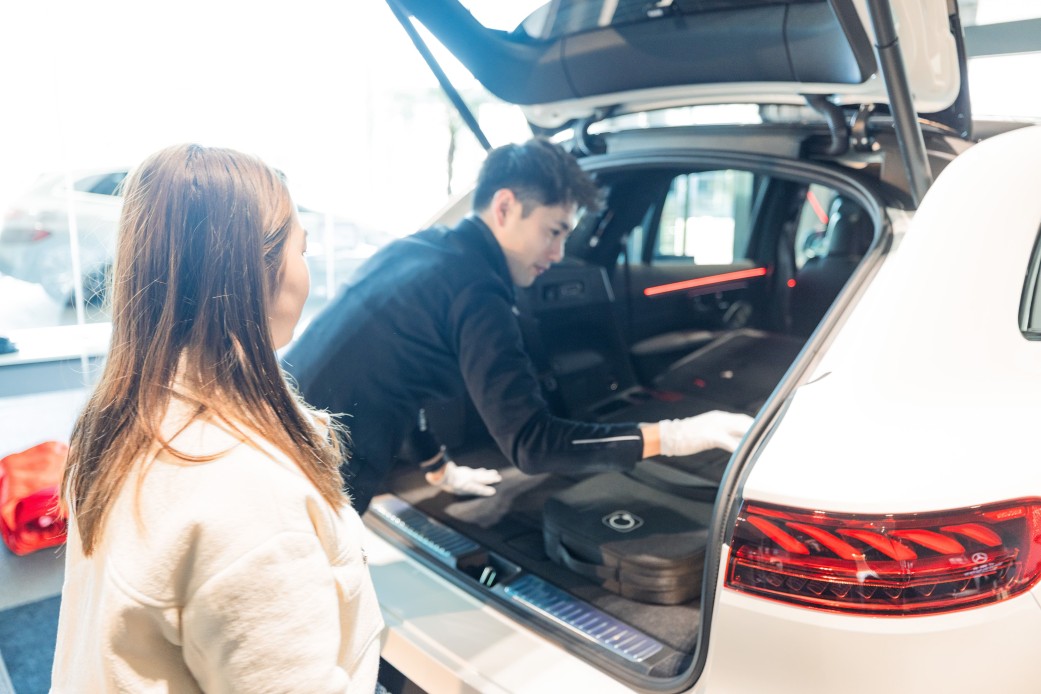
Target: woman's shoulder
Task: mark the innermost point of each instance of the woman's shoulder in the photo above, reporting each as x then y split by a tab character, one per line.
193	520
221	468
232	494
213	448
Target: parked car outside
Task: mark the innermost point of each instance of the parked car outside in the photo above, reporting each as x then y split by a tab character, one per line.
878	528
35	240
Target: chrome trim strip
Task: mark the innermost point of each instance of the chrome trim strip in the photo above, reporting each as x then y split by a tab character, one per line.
581	618
528	592
610	439
444	542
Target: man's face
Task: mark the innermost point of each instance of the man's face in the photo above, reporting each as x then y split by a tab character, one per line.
533	242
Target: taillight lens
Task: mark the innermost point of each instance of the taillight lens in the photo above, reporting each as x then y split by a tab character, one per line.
902	564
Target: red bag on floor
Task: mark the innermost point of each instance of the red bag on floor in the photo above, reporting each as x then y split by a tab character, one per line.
29	515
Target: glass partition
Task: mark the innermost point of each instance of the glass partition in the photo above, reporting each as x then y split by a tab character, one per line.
333	94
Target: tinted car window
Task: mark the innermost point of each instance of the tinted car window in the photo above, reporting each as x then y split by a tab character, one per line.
101	184
705	218
811	234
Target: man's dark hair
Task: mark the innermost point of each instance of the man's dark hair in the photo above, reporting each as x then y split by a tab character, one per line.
539	173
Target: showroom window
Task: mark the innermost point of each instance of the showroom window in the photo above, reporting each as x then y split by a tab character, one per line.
334	95
1003	43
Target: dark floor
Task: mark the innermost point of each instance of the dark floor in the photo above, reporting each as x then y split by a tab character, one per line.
27	636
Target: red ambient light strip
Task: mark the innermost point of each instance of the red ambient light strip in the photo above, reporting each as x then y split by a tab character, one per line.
705	281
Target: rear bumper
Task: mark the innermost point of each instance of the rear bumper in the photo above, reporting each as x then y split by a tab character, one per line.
761	645
445	639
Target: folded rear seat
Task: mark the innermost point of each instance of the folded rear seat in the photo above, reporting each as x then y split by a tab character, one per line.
739	368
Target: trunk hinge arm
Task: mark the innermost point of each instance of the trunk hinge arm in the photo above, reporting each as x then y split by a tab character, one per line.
858	129
836	121
453	94
901	104
584	142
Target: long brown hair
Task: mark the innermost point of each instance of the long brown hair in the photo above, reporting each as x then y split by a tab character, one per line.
201	242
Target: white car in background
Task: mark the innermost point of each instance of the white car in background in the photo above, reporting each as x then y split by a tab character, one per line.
879	528
35	242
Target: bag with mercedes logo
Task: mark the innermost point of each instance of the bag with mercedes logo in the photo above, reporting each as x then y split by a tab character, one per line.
642	543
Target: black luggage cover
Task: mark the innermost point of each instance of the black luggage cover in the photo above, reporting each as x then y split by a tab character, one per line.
642	543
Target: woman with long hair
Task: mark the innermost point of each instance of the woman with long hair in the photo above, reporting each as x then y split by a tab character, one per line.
211	546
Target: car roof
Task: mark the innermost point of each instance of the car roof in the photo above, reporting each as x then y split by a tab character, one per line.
571	60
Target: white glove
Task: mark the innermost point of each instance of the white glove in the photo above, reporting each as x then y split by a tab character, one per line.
465	481
716	429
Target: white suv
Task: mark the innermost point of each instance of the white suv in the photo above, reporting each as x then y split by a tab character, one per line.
879	528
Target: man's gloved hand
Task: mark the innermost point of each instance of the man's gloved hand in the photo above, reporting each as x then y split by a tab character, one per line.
716	429
465	481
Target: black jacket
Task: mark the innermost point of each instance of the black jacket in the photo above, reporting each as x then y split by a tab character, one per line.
424	318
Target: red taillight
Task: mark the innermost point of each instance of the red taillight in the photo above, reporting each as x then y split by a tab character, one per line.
903	564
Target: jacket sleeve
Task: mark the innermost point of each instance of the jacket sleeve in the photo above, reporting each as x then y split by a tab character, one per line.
268	622
501	381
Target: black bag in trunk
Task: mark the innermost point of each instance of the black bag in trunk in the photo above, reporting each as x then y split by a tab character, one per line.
641	543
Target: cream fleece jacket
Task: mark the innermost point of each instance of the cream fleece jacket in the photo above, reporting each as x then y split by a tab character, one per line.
232	575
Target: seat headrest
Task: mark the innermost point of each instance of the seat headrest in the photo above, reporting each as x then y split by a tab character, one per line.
850	229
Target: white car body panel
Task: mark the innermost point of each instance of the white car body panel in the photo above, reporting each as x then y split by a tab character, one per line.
930	57
931	359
